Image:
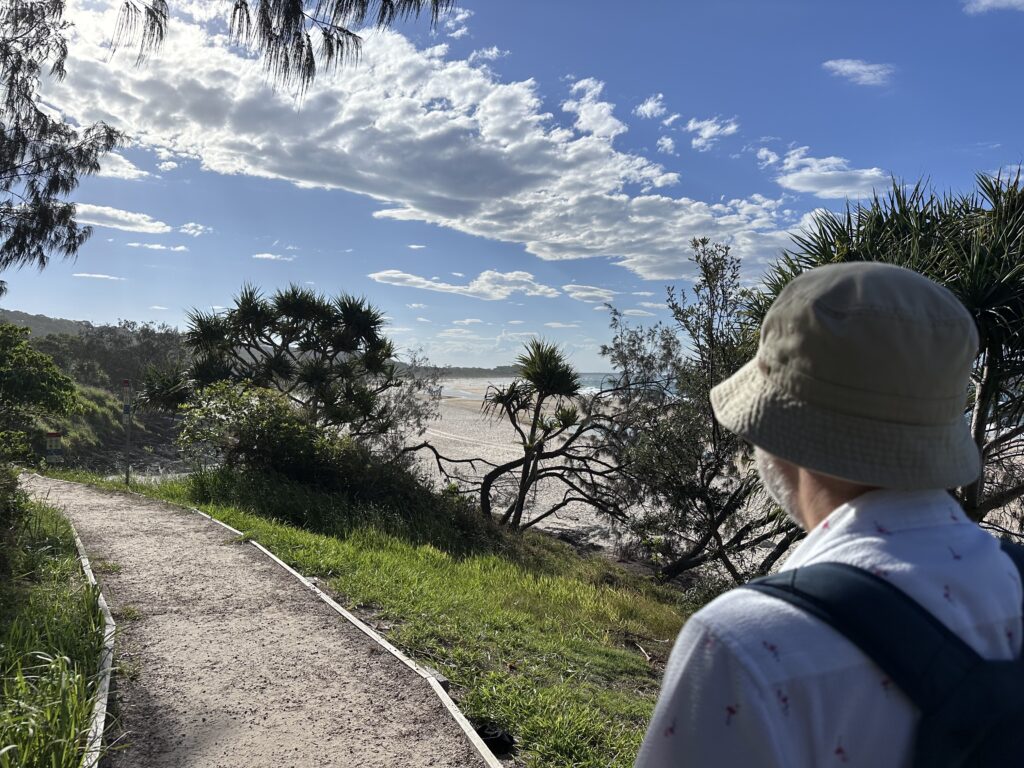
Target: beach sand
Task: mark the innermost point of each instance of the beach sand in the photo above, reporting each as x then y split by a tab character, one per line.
464	431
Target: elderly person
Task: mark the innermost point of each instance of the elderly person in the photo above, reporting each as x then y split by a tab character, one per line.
855	406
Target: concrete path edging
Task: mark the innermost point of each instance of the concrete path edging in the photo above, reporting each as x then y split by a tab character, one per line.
432	678
98	720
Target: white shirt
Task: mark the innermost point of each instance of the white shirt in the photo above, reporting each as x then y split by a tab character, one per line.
753	682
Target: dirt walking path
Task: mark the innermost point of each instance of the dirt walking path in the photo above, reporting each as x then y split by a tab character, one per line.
228	661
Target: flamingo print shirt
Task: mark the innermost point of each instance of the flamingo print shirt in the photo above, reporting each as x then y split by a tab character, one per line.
753	682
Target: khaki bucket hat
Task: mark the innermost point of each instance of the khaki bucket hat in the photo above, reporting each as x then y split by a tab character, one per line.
862	373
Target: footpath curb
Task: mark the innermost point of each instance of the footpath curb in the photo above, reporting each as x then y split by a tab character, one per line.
430	676
97	723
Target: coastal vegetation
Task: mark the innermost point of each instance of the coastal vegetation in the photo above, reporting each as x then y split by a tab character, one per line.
563	650
51	633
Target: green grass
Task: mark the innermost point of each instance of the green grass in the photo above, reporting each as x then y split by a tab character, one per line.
50	640
533	636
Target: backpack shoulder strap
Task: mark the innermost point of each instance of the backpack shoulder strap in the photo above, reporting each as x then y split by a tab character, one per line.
918	652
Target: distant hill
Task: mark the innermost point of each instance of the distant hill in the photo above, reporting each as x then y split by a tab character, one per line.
41	325
458	372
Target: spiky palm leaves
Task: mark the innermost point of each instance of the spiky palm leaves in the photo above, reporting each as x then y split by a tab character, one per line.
293	37
328	355
973	244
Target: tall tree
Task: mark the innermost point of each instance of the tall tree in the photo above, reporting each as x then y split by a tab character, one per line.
293	37
41	157
973	244
562	436
699	500
328	356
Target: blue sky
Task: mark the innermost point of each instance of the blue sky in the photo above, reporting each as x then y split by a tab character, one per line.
508	173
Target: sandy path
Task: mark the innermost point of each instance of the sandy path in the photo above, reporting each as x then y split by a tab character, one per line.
233	662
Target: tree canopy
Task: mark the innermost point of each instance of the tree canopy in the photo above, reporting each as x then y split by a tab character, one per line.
973	244
42	157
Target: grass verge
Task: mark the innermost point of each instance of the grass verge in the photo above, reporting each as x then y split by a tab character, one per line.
51	634
564	651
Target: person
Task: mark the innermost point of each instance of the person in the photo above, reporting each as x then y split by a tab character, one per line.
854	404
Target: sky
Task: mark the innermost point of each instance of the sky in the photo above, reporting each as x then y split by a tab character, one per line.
509	173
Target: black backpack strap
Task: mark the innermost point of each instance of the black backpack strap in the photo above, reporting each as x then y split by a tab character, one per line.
918	652
1016	553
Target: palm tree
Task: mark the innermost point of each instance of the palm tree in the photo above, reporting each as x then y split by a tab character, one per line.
292	37
973	244
545	375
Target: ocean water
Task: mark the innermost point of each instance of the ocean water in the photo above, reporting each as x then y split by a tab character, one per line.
590	383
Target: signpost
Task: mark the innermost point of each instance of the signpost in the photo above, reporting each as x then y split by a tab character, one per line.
54	449
126	399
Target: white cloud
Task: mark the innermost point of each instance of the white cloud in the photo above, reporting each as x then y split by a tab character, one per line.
167	165
601	308
588	293
653	305
487	54
828	177
115	166
667	122
561	325
859	71
489	285
455	24
516	322
422	320
272	257
416	306
115	218
417	247
666	145
710	131
467	321
652	107
157	307
455	333
95	276
643	293
637	313
291	247
434	139
458	274
981	6
593	116
158	247
194	229
766	157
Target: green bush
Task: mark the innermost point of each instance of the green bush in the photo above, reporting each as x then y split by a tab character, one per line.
51	632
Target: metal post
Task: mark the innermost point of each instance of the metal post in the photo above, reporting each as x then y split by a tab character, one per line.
126	392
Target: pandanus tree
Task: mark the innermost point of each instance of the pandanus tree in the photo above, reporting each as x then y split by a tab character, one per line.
973	244
328	355
560	433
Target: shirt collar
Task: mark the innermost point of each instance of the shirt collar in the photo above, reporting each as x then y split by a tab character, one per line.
876	513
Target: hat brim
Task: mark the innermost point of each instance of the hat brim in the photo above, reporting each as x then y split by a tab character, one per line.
877	453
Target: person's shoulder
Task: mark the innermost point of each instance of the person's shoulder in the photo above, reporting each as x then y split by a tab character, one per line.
770	635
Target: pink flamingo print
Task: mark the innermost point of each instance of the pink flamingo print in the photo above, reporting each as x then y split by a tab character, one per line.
882	529
772	648
954	553
670	731
946	593
841	753
730	712
783	700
